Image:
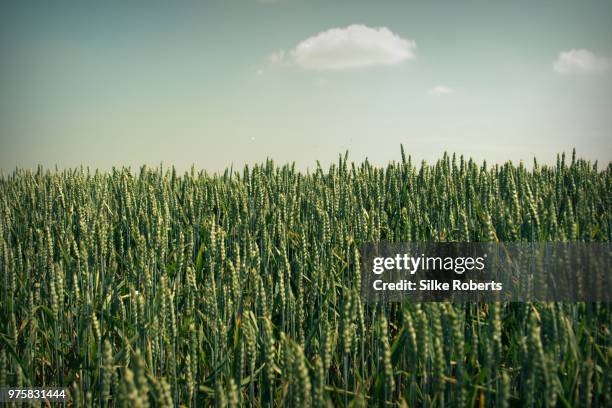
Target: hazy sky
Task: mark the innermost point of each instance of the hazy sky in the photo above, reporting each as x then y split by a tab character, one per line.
216	83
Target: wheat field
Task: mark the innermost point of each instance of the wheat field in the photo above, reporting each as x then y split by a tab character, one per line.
149	288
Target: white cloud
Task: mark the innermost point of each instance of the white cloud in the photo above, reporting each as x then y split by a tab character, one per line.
440	90
277	57
355	46
581	61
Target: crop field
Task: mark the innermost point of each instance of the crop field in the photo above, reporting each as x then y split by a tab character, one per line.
152	288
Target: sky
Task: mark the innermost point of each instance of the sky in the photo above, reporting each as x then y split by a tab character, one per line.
223	83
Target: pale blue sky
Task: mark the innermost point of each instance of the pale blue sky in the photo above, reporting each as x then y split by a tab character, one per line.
116	84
